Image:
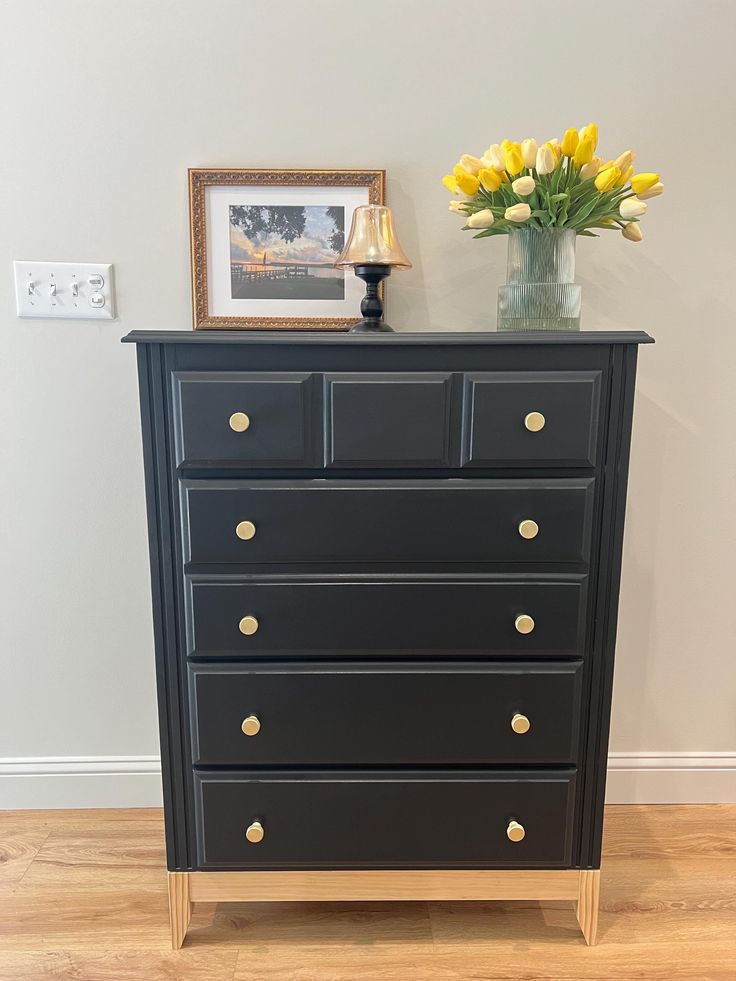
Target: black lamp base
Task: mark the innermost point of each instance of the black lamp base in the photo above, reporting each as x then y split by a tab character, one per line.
371	306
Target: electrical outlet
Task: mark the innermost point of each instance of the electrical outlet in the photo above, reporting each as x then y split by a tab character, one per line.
65	290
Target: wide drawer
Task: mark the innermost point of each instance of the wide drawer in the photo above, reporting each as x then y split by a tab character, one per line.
350	617
451	520
441	819
363	714
239	418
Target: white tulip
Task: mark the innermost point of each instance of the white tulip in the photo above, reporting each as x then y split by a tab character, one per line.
523	186
546	162
481	219
632	208
518	212
625	160
590	169
653	191
470	163
529	152
457	208
494	153
632	232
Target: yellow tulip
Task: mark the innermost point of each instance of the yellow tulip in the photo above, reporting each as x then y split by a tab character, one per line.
584	152
517	212
554	146
590	132
490	179
632	231
653	192
625	160
514	160
606	179
450	183
643	182
470	163
570	142
467	183
529	152
481	219
590	169
623	179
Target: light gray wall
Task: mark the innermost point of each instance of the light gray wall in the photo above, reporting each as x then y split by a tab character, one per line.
106	104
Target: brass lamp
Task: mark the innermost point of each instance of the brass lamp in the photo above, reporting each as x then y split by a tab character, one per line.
372	249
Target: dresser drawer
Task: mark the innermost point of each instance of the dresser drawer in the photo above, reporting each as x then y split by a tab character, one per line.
362	714
237	418
387	521
372	819
388	419
531	418
351	618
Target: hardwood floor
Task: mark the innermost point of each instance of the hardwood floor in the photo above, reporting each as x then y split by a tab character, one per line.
83	896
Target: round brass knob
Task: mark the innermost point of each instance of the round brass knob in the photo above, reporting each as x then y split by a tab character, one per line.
528	528
248	625
238	422
252	725
519	723
254	832
534	421
524	623
245	530
514	832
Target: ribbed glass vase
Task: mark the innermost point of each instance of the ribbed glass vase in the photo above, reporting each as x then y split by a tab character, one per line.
540	292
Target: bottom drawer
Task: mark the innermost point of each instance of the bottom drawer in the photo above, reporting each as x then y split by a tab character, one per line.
385	820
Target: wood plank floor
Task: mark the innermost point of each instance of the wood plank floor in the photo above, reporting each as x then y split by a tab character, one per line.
83	897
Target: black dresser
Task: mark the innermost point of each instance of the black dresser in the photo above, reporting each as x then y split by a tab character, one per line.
385	578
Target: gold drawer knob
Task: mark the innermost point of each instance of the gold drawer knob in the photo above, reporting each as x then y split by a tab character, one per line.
528	528
524	623
514	832
252	725
519	723
238	422
245	530
254	832
248	625
534	421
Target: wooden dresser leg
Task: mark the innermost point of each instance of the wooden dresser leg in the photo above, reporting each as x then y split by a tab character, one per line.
180	907
587	909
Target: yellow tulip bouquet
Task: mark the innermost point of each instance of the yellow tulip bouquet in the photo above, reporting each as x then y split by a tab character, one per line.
555	185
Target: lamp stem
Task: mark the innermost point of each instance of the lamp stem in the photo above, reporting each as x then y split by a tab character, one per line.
371	306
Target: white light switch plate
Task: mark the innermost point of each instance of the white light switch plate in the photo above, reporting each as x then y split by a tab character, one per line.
65	290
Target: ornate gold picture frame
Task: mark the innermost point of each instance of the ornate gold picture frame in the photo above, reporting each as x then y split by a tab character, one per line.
263	243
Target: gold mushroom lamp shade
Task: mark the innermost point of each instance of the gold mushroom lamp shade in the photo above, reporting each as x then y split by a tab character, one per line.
372	250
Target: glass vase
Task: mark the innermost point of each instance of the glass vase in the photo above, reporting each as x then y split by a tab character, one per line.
540	292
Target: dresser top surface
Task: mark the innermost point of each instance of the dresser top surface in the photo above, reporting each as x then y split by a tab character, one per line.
397	339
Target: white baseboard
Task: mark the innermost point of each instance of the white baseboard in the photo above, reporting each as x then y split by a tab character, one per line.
671	778
80	781
135	781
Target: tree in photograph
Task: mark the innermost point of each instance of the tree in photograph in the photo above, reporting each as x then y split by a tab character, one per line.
337	238
287	222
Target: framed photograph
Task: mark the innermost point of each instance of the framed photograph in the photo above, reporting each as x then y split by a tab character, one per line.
264	243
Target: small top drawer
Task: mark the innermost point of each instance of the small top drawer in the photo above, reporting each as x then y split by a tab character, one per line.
238	418
388	419
531	418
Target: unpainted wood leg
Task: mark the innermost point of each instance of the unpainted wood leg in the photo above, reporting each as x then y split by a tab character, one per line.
587	908
180	907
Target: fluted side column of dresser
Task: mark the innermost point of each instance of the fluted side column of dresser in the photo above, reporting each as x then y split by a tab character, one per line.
385	577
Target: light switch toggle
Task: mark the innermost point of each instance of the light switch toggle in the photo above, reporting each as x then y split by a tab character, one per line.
52	289
75	289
